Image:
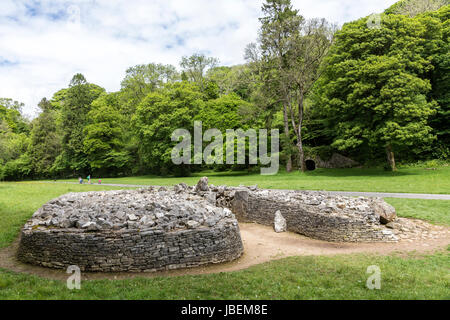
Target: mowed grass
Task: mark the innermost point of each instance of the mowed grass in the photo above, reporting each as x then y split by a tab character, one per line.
407	180
336	277
18	202
435	211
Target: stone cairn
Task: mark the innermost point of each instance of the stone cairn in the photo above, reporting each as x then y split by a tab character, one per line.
131	230
154	229
316	215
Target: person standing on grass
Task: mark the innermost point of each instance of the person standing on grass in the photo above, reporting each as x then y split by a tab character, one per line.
89	179
80	180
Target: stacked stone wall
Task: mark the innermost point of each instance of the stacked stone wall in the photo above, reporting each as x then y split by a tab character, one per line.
131	251
325	223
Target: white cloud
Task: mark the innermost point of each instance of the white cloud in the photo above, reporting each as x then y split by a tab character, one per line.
43	43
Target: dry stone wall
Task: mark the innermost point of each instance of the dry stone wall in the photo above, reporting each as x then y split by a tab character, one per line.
319	217
133	231
158	228
315	215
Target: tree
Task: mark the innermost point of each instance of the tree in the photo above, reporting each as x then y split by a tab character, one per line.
11	113
14	141
45	139
76	106
195	67
142	79
279	25
292	50
222	113
440	79
158	116
236	79
374	90
307	51
413	8
104	136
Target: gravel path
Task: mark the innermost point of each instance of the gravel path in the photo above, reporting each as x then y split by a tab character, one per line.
339	193
392	195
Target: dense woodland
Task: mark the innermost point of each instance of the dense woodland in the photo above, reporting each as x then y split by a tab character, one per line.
376	94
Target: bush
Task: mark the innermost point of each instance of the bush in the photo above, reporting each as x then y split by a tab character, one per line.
2	172
324	152
18	169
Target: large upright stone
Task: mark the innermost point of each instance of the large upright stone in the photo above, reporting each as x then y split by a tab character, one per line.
386	212
202	185
279	222
239	203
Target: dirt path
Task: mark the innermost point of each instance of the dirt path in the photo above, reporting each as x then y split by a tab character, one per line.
261	245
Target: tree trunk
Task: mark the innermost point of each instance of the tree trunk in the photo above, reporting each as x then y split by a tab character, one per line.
288	140
391	158
299	135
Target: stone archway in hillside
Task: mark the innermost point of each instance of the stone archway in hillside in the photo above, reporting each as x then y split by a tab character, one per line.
310	165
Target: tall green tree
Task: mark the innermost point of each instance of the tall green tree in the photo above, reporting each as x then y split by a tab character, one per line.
11	113
307	51
45	139
413	8
237	79
375	90
15	162
158	116
195	67
104	137
280	24
142	79
440	79
76	106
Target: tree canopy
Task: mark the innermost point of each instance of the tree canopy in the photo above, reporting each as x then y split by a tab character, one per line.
376	93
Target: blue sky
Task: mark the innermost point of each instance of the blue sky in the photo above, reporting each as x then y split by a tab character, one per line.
44	43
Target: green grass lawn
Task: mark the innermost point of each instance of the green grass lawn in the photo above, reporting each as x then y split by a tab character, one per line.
337	277
435	211
18	201
407	180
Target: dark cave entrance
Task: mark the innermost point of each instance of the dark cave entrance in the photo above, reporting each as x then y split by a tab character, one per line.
310	165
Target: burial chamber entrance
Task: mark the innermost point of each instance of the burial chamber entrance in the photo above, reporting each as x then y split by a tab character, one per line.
310	165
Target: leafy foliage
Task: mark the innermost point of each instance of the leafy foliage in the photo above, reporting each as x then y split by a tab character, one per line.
375	89
104	136
376	93
160	114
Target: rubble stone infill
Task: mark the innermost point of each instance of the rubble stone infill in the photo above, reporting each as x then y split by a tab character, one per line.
160	228
132	230
315	215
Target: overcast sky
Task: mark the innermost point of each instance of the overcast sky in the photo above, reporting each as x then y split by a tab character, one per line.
44	43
